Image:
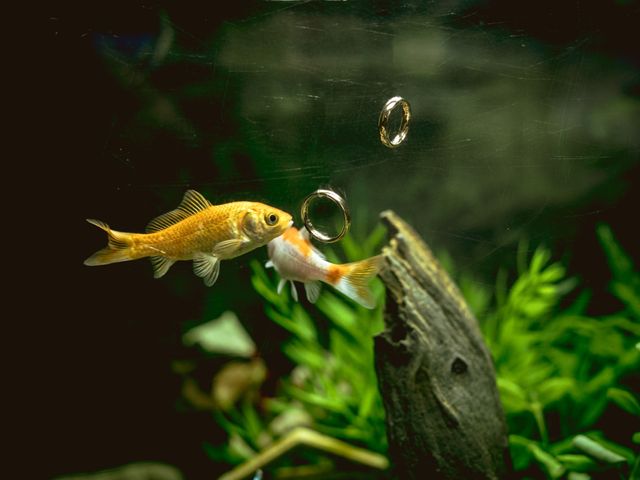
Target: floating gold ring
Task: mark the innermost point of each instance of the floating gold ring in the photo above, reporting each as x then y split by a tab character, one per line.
383	122
335	198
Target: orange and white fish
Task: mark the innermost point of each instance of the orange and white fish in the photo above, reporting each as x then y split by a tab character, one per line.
198	231
295	259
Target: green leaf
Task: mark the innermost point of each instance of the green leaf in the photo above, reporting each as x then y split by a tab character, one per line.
308	355
619	262
549	463
553	467
513	397
301	326
577	463
628	294
223	335
317	400
554	389
578	476
521	455
340	314
596	450
625	400
264	287
540	257
373	242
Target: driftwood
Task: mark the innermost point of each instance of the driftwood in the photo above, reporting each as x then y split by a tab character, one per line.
436	376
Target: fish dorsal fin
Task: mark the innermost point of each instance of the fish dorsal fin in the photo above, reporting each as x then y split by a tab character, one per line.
192	203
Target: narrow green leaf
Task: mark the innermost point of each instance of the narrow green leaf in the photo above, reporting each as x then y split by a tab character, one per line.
540	258
513	397
619	262
317	400
554	389
308	355
625	400
577	463
553	467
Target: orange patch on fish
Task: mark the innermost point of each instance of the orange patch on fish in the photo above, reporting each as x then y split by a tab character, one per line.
304	246
335	273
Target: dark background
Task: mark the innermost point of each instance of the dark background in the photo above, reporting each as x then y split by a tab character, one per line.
525	125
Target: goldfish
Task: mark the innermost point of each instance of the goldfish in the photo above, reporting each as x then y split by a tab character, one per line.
198	231
294	257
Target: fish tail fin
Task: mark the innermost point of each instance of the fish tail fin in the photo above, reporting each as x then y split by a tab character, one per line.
354	283
117	250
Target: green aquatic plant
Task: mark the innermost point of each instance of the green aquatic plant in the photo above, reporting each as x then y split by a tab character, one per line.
565	377
333	387
334	379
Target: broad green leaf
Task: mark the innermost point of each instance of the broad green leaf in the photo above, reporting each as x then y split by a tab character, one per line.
596	450
578	476
224	335
616	448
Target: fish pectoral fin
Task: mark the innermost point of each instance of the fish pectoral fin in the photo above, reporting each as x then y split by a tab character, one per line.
227	248
160	265
294	292
281	285
206	266
313	291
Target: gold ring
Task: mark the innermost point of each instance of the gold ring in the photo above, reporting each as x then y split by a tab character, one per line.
383	122
335	198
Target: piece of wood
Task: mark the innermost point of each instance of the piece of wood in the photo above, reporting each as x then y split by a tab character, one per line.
435	374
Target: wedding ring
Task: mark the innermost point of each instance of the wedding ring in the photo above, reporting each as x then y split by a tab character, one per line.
383	122
342	205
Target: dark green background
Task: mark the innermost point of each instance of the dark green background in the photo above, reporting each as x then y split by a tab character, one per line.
525	124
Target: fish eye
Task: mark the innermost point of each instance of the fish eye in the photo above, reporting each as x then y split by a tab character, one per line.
271	219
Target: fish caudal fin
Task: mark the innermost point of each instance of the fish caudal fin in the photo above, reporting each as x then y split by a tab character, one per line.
354	281
117	250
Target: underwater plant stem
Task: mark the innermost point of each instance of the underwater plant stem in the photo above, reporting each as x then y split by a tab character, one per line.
310	438
538	414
